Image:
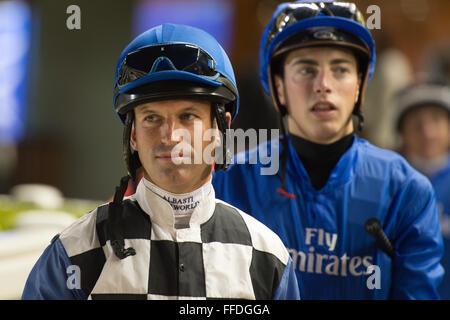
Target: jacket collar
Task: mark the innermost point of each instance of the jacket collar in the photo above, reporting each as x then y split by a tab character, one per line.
161	212
340	174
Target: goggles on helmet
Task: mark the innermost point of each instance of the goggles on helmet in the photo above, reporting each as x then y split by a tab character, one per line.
322	34
155	58
299	11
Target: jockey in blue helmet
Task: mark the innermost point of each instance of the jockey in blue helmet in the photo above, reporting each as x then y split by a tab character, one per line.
316	58
170	61
173	62
303	24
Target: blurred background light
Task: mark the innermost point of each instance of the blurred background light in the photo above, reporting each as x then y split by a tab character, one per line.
415	10
15	19
214	16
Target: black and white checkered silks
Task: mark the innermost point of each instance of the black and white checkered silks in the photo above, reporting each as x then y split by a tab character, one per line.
224	254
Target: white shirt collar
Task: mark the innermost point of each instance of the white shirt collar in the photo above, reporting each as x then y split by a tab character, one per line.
149	197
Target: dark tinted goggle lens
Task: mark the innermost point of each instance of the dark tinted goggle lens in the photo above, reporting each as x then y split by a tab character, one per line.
300	11
183	57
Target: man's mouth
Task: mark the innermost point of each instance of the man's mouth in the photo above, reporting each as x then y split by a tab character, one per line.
171	157
164	156
323	106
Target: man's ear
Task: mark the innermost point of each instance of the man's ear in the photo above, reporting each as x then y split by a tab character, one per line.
133	143
279	87
228	116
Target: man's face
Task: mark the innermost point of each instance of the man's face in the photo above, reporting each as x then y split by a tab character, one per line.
320	88
158	128
426	132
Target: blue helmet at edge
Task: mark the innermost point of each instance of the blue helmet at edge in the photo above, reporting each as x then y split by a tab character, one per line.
179	34
268	47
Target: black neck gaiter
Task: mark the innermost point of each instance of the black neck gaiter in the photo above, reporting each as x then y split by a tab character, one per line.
318	159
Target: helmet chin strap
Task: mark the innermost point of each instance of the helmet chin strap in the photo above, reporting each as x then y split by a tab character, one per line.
116	207
115	221
284	113
357	111
284	153
131	158
222	123
360	116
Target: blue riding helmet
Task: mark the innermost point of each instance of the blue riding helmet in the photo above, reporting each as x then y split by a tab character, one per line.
184	61
303	24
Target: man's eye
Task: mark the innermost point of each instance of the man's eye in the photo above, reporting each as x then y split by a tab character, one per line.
188	116
306	71
341	70
150	118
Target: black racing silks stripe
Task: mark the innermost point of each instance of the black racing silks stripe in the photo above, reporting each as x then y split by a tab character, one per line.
266	271
191	273
176	269
163	272
226	226
136	223
91	264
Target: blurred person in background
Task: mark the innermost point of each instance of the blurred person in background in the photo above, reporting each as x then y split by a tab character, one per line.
423	123
171	239
316	58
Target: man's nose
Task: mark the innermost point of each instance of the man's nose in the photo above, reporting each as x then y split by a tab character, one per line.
167	131
322	82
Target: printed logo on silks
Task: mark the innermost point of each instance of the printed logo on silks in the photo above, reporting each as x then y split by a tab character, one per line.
330	264
185	204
